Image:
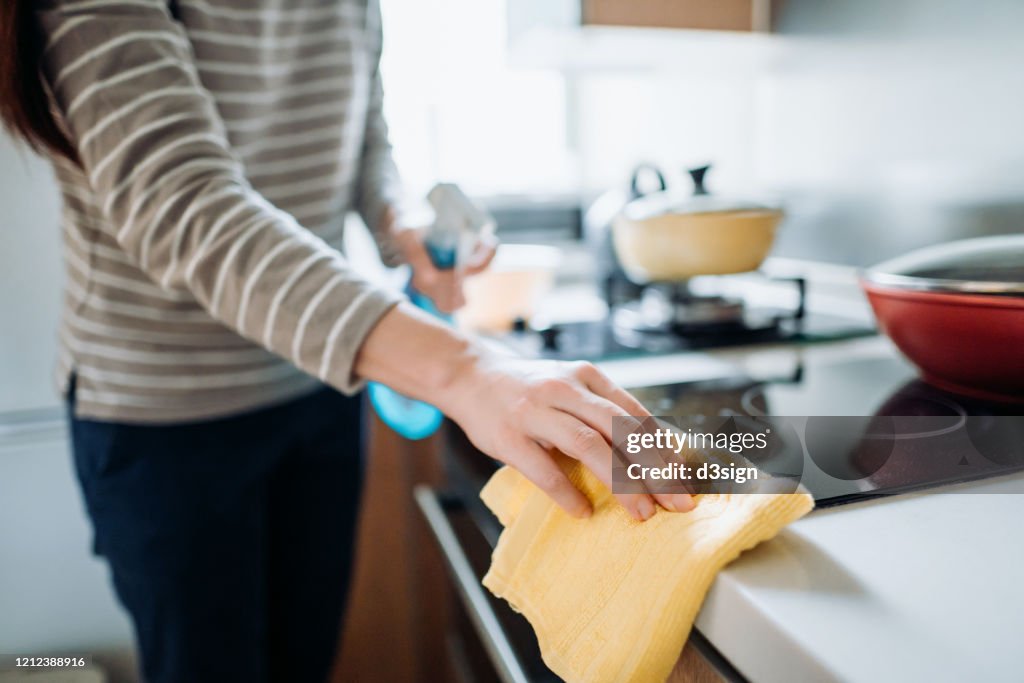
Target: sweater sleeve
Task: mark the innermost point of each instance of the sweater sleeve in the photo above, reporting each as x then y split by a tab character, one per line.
155	151
380	185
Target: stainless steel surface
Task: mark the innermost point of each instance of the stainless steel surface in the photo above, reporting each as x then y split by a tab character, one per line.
499	649
923	284
988	265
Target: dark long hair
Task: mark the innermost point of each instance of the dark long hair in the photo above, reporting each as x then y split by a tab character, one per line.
24	102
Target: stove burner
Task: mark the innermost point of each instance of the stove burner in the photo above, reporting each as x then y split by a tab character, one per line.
673	310
659	311
624	333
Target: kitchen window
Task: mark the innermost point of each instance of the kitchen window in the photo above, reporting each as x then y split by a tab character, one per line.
458	111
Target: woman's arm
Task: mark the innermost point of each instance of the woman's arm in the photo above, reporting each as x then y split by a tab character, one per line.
513	410
379	193
156	154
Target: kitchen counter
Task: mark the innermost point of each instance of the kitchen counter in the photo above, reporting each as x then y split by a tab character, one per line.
923	587
913	587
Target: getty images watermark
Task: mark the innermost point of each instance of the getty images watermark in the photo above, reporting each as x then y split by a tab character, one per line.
831	456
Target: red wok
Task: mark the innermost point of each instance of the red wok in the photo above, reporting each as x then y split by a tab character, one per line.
957	312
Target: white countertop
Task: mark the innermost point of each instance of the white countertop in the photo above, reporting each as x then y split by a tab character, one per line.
924	587
921	587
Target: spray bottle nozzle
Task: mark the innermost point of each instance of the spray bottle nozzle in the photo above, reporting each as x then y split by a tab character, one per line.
458	225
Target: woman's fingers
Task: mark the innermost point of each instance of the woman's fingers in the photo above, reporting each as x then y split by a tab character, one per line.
598	382
446	291
537	465
580	441
595	410
443	287
601	409
482	256
410	243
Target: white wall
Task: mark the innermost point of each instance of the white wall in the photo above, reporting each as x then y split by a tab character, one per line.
884	124
54	596
459	112
908	111
30	279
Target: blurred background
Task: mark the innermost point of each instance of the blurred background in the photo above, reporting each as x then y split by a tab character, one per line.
875	121
880	125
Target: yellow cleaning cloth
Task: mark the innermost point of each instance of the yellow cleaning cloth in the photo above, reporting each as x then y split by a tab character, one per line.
610	598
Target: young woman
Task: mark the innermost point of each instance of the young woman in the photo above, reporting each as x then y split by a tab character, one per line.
214	338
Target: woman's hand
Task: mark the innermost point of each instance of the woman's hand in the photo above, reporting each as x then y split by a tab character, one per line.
443	287
517	410
512	409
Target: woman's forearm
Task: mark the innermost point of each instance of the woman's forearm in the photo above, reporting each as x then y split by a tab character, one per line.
417	355
512	409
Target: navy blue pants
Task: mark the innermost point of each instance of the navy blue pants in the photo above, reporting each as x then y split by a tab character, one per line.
230	541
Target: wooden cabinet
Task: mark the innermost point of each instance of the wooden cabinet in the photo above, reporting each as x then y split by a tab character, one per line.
719	15
398	611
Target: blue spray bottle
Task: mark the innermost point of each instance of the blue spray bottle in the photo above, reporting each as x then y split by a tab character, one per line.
458	226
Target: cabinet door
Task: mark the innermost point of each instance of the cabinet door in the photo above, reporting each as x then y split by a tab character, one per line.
720	15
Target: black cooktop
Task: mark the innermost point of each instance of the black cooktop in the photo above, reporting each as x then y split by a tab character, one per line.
867	428
604	340
862	427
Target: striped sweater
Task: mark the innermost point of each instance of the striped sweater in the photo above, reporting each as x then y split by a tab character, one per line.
221	146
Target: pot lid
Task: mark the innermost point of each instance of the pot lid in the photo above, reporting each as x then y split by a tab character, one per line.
666	201
984	265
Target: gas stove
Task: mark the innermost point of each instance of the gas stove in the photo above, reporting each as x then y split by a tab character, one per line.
672	318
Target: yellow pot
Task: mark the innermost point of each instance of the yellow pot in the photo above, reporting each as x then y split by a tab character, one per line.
658	244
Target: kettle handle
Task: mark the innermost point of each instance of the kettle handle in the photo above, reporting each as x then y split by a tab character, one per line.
645	169
697	174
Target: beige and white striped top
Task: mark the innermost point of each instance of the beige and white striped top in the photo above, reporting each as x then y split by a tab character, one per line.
221	149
